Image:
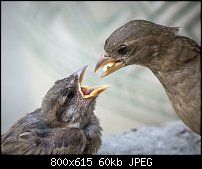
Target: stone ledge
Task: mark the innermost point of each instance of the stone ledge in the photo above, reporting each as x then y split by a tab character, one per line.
172	138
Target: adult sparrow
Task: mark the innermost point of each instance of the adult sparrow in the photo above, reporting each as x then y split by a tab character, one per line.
174	60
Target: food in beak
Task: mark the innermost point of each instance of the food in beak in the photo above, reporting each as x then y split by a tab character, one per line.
86	91
108	64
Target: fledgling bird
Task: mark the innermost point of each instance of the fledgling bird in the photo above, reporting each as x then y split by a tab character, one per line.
174	60
65	123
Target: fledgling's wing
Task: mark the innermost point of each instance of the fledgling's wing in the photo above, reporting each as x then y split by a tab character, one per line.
31	135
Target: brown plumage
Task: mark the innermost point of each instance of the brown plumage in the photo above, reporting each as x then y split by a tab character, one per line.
174	60
65	123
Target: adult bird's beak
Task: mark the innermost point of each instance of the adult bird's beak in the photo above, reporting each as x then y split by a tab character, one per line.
108	64
86	91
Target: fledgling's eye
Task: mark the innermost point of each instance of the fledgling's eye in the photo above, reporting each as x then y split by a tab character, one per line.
106	42
122	50
70	95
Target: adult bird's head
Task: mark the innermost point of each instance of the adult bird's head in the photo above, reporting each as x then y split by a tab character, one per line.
137	42
68	102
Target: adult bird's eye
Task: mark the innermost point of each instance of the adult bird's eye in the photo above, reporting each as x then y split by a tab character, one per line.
122	50
70	95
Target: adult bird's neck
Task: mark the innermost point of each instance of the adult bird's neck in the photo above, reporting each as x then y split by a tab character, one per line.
182	79
180	76
179	64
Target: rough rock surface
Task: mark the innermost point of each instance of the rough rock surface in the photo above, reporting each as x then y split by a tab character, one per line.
171	138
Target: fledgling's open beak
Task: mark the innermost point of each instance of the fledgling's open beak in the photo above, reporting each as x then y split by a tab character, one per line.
108	64
87	91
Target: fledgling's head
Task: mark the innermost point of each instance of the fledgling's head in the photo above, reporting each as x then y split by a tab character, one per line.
68	103
136	42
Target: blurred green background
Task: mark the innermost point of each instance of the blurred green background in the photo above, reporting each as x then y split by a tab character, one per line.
45	41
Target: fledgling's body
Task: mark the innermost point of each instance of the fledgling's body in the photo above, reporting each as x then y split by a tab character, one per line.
65	123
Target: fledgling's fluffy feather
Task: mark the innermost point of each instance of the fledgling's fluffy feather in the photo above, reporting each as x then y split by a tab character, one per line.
65	123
